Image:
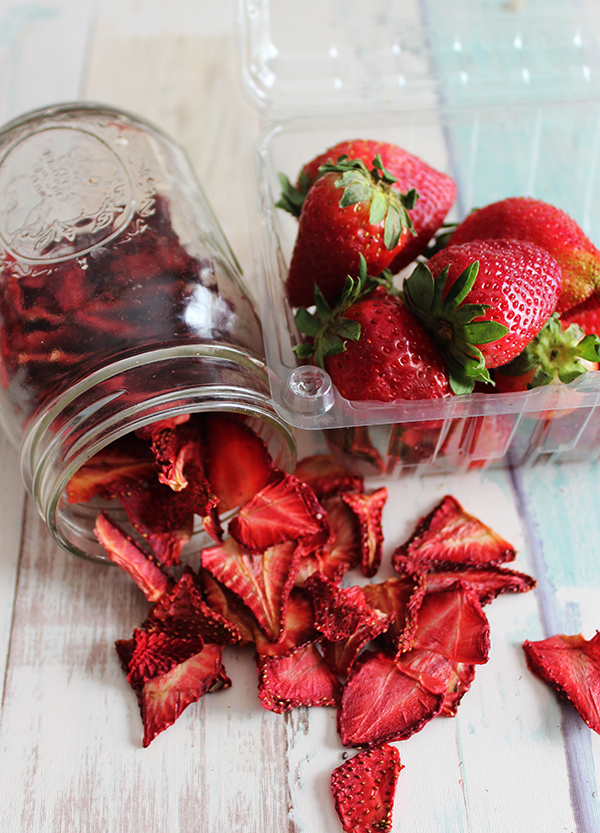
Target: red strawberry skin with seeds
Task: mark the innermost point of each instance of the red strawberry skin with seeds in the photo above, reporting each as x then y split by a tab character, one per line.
524	218
436	190
394	358
519	280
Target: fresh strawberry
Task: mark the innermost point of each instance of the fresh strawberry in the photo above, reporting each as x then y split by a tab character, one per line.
299	678
363	789
555	355
483	302
449	537
372	346
351	210
586	315
571	664
524	218
436	190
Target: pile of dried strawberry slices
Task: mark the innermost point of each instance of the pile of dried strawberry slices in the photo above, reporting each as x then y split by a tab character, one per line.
292	571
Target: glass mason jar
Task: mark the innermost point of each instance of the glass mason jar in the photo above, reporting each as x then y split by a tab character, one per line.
121	302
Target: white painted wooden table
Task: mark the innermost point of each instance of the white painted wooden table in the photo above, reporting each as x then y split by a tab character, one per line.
71	761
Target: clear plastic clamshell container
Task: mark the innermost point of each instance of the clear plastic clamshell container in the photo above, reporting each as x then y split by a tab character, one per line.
503	95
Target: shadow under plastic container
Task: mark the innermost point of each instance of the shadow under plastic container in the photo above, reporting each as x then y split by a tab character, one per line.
505	99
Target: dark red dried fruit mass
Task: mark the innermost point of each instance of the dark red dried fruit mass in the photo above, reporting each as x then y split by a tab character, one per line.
326	476
156	653
369	510
120	464
340	552
571	665
486	582
363	789
399	598
339	612
449	537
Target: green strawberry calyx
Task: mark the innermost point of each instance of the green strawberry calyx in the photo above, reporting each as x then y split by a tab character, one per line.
327	327
359	184
555	354
453	324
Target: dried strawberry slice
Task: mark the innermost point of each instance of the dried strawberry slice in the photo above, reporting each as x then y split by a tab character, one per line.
230	607
449	537
163	699
452	623
182	612
326	477
384	700
354	443
263	582
161	516
299	678
339	612
121	463
486	582
238	463
340	655
136	562
364	787
459	683
340	553
571	664
369	509
156	653
399	598
284	509
177	448
455	677
298	628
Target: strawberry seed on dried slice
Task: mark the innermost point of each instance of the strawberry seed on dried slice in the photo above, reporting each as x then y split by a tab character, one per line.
299	678
238	463
364	787
284	509
571	665
263	582
152	580
384	700
164	698
448	538
368	508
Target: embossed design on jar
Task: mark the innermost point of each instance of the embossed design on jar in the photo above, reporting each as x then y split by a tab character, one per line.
74	195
